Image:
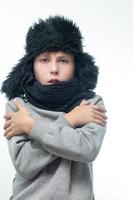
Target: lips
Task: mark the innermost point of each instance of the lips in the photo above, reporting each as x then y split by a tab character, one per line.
53	81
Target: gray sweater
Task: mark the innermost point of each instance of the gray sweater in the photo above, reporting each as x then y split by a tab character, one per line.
55	161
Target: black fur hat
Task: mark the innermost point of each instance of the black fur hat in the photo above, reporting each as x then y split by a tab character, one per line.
56	33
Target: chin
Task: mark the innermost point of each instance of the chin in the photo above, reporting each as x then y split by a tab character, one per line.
47	83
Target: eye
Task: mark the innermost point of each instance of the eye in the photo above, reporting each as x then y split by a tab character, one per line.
64	60
44	60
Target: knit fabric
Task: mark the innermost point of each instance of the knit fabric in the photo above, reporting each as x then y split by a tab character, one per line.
55	161
67	94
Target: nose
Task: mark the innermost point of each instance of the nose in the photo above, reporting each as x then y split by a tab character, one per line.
54	69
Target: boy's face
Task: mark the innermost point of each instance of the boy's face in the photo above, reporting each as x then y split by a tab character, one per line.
54	65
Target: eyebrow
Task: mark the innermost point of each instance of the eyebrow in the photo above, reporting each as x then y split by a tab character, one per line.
61	56
65	56
44	54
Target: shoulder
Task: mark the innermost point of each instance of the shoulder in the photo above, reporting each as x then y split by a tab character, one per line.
10	104
97	99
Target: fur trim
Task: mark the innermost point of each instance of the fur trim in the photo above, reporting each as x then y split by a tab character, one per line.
12	85
54	34
86	71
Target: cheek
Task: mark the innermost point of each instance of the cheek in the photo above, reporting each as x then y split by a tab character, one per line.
40	72
69	71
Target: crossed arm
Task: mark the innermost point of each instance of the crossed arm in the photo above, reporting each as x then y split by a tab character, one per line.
30	153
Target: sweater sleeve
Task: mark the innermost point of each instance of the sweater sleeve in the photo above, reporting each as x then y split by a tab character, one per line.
62	139
28	157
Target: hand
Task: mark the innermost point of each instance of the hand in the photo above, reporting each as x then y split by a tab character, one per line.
87	112
18	122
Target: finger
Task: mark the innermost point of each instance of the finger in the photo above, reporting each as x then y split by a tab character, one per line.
101	123
85	102
100	114
7	124
8	115
98	117
99	108
17	104
9	129
10	135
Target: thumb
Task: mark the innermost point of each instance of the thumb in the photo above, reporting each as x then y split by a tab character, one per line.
84	102
17	104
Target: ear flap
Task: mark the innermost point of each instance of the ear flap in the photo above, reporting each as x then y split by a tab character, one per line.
87	71
12	85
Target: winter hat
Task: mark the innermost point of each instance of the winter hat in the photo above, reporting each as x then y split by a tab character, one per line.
56	33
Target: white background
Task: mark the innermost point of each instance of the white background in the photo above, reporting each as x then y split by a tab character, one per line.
107	27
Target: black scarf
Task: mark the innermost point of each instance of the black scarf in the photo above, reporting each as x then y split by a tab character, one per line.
61	96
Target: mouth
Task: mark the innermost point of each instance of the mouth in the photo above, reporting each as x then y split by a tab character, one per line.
53	81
